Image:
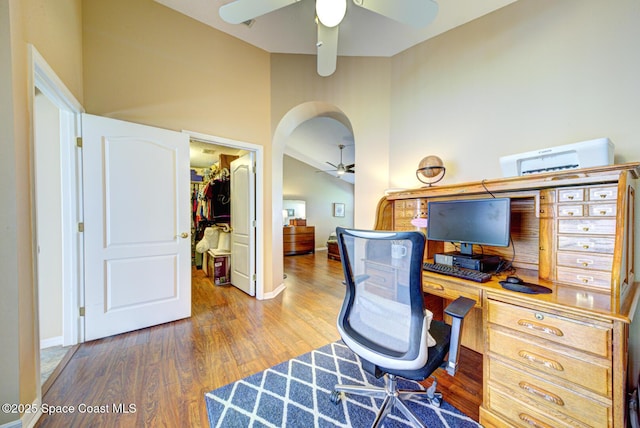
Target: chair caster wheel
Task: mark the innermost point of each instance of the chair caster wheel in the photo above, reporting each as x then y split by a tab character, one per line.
335	397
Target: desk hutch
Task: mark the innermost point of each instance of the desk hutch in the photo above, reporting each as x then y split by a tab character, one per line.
549	360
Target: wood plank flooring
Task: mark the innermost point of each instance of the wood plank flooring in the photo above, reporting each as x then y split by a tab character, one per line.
158	376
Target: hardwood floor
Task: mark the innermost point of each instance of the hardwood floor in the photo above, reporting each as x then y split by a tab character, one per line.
158	376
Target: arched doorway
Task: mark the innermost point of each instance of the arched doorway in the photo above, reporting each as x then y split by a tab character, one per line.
289	122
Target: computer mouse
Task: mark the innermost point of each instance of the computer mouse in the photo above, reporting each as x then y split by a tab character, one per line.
514	280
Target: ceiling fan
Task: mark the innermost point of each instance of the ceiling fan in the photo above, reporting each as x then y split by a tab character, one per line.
329	14
341	168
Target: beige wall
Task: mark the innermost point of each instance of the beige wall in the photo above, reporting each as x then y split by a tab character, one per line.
54	29
535	74
360	88
148	64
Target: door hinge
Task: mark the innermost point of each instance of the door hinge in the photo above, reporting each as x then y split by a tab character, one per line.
80	227
79	142
253	277
254	223
253	167
81	311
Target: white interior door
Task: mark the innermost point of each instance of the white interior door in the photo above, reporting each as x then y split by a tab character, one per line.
136	226
243	224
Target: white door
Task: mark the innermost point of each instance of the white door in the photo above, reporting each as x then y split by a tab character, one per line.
243	224
136	226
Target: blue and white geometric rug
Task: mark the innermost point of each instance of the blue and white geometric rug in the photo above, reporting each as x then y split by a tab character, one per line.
296	393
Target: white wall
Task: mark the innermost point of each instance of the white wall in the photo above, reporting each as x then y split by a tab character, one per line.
319	190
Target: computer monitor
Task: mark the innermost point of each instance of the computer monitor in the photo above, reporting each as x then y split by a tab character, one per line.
470	221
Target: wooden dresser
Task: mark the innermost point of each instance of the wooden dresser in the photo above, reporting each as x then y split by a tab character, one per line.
559	359
298	240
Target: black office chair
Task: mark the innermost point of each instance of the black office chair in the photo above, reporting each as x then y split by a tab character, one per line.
383	318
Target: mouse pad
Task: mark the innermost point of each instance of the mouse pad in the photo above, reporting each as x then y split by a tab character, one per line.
525	287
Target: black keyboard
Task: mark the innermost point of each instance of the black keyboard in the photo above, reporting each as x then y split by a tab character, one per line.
469	274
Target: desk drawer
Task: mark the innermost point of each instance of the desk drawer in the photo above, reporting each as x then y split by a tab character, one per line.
585	261
591	244
602	210
570	210
451	291
591	338
555	398
588	226
584	277
604	193
524	416
569	365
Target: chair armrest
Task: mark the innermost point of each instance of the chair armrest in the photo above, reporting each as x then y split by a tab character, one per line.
460	307
358	279
457	309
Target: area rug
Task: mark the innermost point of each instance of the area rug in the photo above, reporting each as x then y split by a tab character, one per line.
297	393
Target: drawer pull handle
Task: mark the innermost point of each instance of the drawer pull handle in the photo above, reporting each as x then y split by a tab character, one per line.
603	212
584	262
541	328
530	420
603	195
570	197
585	228
585	279
537	359
532	389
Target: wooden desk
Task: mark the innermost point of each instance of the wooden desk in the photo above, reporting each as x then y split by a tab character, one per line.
555	359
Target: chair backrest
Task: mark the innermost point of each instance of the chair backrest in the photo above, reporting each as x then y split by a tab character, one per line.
383	309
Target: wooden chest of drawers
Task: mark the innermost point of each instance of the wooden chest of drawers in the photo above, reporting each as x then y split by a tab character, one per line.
298	240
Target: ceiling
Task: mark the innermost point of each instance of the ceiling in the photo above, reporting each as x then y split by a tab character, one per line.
362	33
292	29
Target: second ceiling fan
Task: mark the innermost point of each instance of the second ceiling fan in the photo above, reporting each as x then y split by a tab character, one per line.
416	13
341	168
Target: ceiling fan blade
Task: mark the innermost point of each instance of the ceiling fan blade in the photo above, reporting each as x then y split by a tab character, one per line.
417	13
335	166
350	166
240	11
327	49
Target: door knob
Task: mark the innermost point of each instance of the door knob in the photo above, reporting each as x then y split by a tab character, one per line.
184	235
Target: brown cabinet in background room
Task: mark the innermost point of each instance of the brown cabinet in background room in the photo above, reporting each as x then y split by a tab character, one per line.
298	240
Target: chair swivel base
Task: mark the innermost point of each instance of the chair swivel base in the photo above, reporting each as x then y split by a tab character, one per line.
393	397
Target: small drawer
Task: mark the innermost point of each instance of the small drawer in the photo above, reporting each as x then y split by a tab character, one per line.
595	244
570	195
523	416
570	365
570	210
410	203
451	291
607	193
584	277
593	338
550	395
602	210
588	226
585	261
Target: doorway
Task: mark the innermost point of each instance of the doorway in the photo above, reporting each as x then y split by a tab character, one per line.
55	190
206	150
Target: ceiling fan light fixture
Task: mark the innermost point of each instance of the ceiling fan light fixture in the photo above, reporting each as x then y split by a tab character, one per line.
331	12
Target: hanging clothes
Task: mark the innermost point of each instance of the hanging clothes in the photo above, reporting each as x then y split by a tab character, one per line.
221	200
